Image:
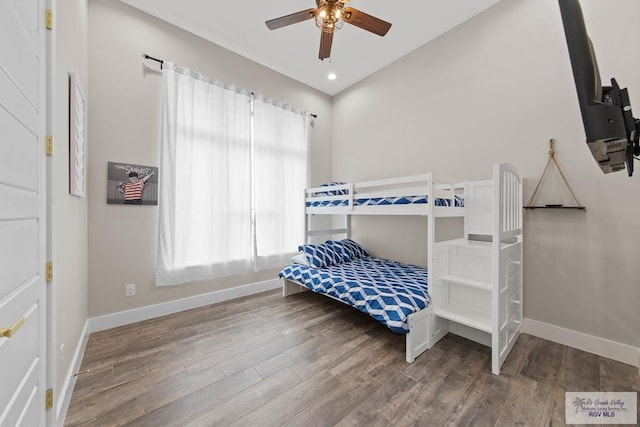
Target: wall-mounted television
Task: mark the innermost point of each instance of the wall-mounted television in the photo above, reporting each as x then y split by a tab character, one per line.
611	130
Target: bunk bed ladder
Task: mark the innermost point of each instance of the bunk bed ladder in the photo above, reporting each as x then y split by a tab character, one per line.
506	304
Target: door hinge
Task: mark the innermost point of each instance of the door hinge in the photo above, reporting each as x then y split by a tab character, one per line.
49	272
49	399
49	145
49	19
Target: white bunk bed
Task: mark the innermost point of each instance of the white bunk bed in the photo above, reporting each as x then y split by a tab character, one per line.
396	196
475	285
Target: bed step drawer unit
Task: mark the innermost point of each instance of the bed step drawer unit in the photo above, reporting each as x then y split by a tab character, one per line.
477	287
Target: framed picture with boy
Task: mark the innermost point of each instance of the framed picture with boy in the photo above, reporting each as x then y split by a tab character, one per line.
129	184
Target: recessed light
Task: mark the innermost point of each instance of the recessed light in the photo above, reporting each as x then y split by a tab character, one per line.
332	76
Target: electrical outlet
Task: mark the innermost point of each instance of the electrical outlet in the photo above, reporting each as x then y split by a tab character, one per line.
130	290
62	352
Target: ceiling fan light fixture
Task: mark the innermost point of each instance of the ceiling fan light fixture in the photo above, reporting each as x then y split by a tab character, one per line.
329	17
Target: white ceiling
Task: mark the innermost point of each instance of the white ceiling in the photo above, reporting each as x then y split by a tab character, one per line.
293	50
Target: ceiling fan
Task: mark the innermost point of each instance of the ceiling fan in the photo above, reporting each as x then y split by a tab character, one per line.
330	15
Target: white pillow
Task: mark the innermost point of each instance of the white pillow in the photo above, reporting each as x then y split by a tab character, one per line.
300	259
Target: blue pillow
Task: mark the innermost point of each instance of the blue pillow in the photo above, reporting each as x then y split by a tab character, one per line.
322	255
348	250
343	192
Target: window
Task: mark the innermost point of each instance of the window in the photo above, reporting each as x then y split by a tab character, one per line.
280	167
232	174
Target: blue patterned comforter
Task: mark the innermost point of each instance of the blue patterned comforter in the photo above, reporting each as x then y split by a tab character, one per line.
388	291
384	201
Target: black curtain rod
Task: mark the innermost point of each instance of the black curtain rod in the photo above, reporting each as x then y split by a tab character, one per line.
154	59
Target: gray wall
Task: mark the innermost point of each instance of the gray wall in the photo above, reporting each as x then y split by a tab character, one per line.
124	113
496	89
69	214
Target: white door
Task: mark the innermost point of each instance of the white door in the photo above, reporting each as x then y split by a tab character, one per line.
22	213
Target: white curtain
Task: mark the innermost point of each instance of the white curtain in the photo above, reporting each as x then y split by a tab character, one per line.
205	179
280	136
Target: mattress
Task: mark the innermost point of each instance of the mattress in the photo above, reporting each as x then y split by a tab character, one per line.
388	291
385	201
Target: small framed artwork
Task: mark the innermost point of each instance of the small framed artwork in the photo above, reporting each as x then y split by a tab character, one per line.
77	137
129	184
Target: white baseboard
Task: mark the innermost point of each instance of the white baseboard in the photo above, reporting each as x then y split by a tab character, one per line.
152	311
64	396
602	347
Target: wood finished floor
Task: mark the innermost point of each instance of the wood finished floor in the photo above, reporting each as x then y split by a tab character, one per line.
307	360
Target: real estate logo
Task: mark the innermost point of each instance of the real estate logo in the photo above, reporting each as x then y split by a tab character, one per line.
601	407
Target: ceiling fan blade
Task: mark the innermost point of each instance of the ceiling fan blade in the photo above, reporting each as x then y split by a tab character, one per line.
326	39
365	21
292	18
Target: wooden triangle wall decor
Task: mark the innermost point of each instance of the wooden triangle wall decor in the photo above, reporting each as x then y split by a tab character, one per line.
552	158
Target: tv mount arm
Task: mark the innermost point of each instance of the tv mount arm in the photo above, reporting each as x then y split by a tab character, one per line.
632	125
633	149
